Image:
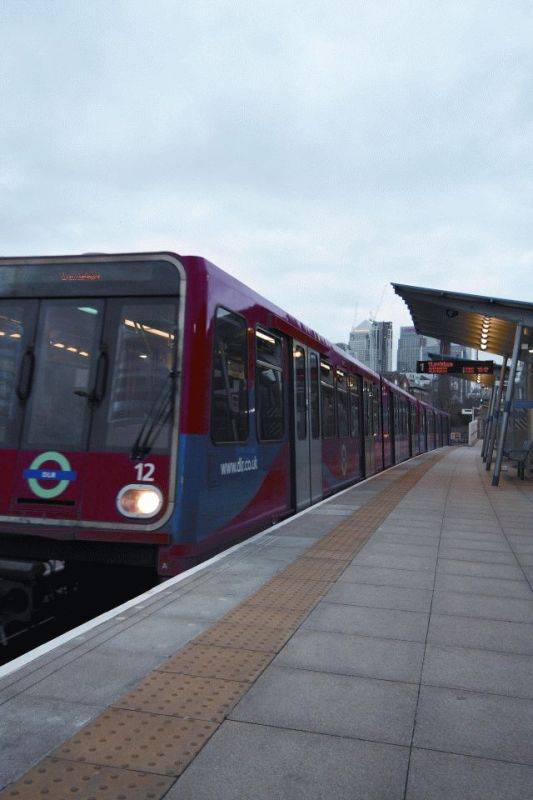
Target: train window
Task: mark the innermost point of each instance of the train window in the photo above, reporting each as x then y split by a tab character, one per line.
385	406
328	400
142	368
342	404
269	386
16	363
354	387
376	416
229	393
300	388
65	358
367	409
314	395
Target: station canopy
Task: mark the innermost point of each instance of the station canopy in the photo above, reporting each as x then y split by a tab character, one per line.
483	323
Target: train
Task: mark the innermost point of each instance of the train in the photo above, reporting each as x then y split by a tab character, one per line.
154	410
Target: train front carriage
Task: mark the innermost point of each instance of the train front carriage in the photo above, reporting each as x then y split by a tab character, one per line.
89	354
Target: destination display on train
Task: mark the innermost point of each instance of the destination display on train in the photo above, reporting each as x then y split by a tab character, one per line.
451	366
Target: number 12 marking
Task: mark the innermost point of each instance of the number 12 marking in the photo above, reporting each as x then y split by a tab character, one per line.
145	472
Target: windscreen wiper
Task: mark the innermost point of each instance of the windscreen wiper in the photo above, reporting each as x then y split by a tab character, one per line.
155	419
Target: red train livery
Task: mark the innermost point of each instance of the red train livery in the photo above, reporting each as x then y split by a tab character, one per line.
153	409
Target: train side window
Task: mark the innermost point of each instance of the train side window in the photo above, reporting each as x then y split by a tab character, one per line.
328	400
367	409
353	385
342	404
314	387
376	416
229	393
385	405
269	386
300	388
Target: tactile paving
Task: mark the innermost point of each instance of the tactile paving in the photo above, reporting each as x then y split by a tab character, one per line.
327	554
318	570
55	779
210	661
264	617
267	640
290	594
184	696
139	741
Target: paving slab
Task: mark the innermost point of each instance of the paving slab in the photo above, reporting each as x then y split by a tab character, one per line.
477	554
382	576
447	776
326	651
480	569
386	623
495	587
476	724
469	605
252	762
485	634
479	670
394	597
394	561
341	705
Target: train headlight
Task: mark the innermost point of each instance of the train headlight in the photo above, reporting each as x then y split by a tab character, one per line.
139	500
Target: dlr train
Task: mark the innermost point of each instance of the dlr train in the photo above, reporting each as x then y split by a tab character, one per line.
153	410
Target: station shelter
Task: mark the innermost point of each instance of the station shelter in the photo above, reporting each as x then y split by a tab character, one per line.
495	326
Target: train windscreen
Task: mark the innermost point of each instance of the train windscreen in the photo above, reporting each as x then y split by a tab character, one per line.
87	373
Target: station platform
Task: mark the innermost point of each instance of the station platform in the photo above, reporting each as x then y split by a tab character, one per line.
377	646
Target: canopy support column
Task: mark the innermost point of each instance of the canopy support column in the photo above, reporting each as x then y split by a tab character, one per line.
488	422
495	416
507	405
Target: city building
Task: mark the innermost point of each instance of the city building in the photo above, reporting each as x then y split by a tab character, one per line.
359	343
413	347
371	343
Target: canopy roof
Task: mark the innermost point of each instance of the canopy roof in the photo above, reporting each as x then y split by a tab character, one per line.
469	319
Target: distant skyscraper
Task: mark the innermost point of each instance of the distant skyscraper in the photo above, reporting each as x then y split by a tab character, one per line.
371	343
413	347
381	346
410	346
359	344
430	346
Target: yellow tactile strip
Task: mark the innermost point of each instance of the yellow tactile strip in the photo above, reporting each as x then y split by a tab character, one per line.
139	741
56	779
139	746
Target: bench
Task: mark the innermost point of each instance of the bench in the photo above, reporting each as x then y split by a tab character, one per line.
523	457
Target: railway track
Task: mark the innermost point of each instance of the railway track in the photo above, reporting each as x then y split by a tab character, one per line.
36	611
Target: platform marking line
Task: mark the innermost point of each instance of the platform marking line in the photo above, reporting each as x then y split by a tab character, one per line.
151	734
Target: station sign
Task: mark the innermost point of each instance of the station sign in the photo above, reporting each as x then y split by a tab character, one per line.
452	366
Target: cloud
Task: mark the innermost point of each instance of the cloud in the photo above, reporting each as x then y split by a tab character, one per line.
315	150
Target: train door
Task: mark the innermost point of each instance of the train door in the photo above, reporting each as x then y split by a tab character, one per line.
306	437
356	422
391	429
369	433
386	426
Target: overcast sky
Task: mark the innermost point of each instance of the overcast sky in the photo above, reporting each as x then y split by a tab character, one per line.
316	150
